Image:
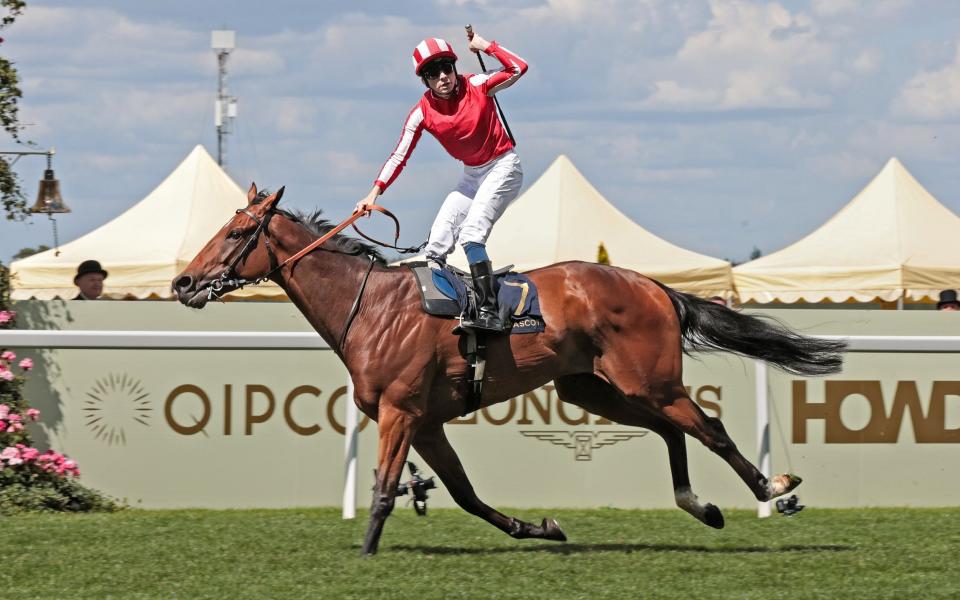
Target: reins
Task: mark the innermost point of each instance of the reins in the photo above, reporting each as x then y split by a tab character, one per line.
225	278
349	221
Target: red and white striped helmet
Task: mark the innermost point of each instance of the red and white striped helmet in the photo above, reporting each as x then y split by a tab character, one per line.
431	49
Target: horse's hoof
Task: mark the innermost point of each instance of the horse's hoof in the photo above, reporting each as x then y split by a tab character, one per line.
713	517
783	484
551	530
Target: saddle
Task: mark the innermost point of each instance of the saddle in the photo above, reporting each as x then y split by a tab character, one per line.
449	293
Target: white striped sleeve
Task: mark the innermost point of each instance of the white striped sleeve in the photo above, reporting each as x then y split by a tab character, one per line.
412	129
513	68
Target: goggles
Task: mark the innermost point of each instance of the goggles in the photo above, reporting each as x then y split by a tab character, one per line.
433	70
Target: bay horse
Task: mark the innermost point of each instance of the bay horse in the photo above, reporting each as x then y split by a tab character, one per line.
613	345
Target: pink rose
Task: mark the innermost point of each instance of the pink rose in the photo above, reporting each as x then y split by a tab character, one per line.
4	411
6	316
8	355
26	364
33	414
29	453
3	426
14	418
15	427
9	453
6	375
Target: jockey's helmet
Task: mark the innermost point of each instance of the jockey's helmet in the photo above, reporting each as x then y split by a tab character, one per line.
431	49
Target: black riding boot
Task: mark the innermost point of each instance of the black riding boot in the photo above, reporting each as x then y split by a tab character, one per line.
484	286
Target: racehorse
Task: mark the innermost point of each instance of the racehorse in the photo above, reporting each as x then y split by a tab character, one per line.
613	345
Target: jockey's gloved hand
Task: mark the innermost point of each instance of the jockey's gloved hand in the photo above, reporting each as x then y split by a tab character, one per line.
371	198
478	44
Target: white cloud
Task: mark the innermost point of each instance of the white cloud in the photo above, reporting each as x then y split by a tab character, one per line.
606	26
867	61
105	40
931	94
293	117
748	56
860	8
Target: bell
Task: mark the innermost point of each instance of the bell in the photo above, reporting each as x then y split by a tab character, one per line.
48	198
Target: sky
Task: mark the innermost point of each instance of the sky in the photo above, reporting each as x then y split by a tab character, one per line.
718	125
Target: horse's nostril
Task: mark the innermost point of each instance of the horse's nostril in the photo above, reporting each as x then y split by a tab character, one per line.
183	284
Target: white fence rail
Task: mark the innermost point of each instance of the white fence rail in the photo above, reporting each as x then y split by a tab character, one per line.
197	340
295	340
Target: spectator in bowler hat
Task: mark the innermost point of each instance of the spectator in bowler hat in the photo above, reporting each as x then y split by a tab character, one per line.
89	279
948	300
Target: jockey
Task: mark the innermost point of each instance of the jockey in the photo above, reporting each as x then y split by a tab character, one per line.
458	110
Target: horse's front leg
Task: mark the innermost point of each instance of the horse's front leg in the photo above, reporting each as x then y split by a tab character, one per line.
432	444
397	429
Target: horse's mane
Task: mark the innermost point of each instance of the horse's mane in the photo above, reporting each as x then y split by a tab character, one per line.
318	226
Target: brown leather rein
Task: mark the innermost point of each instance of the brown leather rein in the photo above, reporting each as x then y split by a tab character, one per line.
349	221
228	282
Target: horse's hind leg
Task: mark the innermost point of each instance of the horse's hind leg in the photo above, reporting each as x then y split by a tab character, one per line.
682	493
432	444
656	384
690	418
598	397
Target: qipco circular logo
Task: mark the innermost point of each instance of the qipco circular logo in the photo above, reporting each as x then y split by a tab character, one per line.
114	405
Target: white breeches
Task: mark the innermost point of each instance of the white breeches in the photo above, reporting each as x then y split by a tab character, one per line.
469	212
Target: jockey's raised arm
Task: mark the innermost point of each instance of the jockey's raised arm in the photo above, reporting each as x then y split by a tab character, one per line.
496	80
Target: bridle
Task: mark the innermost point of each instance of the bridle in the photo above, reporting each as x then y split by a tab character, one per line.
229	281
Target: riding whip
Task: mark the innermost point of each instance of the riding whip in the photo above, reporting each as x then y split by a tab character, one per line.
503	119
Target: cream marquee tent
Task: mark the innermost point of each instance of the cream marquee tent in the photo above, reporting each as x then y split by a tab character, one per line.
893	240
562	217
146	246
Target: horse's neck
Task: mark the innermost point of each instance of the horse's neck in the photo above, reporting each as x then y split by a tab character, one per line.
323	284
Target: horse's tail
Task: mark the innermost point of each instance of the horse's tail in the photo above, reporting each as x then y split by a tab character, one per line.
706	325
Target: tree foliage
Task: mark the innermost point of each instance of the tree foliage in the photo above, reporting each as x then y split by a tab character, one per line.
25	252
14	204
603	257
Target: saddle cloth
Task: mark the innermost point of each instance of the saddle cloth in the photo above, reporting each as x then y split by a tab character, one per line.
448	293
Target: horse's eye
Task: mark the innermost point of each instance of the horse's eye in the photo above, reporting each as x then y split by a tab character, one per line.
234	234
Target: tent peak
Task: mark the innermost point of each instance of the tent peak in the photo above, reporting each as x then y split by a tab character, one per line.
199	151
893	164
562	160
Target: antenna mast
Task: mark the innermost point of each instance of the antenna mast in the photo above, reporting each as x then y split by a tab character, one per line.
225	106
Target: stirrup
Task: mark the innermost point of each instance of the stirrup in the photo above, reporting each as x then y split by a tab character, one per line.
484	322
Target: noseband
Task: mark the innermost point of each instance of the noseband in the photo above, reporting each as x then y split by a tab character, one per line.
228	281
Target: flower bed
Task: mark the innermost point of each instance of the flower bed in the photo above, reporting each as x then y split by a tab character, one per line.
33	479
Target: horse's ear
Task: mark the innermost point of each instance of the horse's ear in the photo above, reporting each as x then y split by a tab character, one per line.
252	192
272	201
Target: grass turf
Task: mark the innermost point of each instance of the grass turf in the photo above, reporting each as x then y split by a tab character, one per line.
312	553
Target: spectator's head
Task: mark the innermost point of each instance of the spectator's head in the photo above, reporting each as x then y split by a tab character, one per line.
89	279
948	300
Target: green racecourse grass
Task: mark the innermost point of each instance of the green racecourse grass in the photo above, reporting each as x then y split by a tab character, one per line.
312	553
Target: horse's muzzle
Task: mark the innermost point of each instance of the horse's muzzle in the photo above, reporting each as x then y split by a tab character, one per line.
187	291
